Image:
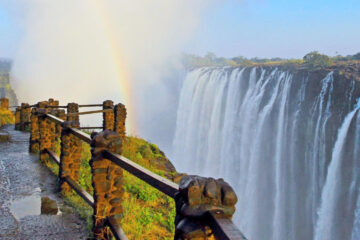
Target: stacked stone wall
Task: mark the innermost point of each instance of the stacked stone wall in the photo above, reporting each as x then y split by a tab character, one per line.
108	117
17	118
107	181
120	119
34	132
25	114
70	157
4	103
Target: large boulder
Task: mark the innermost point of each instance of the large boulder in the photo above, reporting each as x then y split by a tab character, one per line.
4	136
48	206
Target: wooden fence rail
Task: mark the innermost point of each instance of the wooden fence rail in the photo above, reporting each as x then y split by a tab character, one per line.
201	203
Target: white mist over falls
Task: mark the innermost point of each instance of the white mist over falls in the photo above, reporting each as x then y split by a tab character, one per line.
286	140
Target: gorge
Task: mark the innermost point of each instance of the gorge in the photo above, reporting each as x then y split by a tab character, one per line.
286	138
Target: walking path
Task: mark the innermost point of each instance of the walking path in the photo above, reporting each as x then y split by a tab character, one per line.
23	182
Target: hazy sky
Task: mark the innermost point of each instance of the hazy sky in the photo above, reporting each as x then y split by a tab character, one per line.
263	28
284	28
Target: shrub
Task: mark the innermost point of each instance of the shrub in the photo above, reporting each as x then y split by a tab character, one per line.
315	59
6	117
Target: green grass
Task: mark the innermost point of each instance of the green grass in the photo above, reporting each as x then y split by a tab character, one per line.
6	117
148	213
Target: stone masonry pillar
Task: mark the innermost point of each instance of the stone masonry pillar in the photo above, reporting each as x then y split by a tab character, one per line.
4	103
34	132
197	196
120	119
73	108
60	113
108	117
45	135
17	118
107	181
70	157
47	132
25	116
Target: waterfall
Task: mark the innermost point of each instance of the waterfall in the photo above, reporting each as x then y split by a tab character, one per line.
272	134
338	183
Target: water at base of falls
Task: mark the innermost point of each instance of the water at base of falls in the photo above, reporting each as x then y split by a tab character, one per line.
273	135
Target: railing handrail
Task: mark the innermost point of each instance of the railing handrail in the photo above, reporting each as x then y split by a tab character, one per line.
223	228
112	223
162	184
88	112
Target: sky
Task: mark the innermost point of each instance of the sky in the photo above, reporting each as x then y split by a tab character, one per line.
257	28
280	28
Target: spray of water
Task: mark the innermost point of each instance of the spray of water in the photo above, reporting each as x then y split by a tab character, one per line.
272	135
87	51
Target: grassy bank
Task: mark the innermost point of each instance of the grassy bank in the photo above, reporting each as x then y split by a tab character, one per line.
6	117
148	213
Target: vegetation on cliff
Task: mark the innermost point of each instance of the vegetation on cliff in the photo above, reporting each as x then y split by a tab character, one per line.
311	60
6	117
5	86
148	213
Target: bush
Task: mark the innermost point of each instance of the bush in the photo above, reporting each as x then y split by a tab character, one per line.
356	56
6	117
315	59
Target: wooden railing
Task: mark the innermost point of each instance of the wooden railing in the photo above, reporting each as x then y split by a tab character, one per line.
45	115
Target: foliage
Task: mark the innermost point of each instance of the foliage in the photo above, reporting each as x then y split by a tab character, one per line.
356	56
311	60
210	60
315	59
148	213
6	117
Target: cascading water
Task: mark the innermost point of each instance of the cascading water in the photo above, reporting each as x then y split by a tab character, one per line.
272	134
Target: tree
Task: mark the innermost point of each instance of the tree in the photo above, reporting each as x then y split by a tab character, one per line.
315	59
356	56
210	56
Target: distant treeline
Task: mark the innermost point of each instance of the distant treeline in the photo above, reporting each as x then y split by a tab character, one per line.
313	59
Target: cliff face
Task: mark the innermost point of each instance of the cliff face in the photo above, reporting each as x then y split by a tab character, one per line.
273	132
5	86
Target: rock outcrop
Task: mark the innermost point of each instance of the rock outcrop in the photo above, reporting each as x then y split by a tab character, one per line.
6	90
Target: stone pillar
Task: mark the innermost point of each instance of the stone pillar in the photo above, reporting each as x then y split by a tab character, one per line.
70	157
25	113
60	113
108	117
45	135
47	132
107	181
73	108
120	119
34	132
197	196
17	118
4	103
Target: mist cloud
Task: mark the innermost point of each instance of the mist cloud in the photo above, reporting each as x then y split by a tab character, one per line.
67	50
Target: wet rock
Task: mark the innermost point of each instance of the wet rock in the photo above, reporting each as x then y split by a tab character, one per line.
66	209
48	206
4	136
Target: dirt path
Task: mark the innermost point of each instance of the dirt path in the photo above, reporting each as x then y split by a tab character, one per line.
23	181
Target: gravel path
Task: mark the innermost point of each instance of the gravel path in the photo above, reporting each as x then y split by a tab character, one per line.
23	181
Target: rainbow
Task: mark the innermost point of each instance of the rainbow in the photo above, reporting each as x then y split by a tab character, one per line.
121	67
